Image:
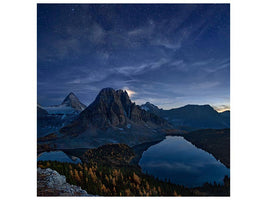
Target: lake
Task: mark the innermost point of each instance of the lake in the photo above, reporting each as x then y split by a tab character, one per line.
183	163
57	156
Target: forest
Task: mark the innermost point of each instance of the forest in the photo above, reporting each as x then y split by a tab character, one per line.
106	180
214	141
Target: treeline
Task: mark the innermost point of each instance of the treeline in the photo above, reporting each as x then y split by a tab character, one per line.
104	180
214	141
108	181
216	189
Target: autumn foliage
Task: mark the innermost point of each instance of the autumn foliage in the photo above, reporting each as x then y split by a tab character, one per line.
108	181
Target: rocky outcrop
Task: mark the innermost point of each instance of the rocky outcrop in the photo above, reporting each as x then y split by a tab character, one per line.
51	183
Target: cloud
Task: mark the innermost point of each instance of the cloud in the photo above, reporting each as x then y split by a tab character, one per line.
162	59
75	81
180	65
204	85
167	44
143	31
221	108
157	34
141	68
131	93
58	49
96	33
211	65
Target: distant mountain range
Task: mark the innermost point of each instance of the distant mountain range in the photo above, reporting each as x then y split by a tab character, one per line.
192	117
114	118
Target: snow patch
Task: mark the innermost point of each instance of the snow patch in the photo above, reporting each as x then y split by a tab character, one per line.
144	108
61	109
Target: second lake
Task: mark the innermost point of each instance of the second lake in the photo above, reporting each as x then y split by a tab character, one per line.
179	161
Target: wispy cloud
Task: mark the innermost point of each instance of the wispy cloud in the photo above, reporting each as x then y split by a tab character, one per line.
170	58
138	69
168	44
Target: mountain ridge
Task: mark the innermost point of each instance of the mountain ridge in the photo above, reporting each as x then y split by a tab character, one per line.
191	116
111	118
114	108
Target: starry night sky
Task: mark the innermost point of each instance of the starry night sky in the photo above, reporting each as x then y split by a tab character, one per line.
169	55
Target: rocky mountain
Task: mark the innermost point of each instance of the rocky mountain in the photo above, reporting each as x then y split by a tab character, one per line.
72	101
51	183
191	117
52	118
112	118
113	108
151	108
70	105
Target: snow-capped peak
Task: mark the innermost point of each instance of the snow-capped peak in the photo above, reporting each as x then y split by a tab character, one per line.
72	101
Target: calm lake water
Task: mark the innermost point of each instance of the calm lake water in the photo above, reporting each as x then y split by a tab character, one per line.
57	156
177	159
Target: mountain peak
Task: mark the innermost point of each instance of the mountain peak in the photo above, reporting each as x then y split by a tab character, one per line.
72	101
113	108
109	95
196	106
112	92
71	95
106	91
150	107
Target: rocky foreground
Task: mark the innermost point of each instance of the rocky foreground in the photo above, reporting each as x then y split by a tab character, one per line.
51	183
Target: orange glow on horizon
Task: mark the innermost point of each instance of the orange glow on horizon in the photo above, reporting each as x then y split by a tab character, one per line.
222	110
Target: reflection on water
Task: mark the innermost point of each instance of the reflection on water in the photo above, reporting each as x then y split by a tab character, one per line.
178	160
57	156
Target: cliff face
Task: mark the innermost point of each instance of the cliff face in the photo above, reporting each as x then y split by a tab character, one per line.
51	183
112	108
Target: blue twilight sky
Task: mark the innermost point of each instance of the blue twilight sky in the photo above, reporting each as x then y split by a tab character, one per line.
169	55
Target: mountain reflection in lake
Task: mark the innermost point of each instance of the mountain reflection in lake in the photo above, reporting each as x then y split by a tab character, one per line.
177	159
